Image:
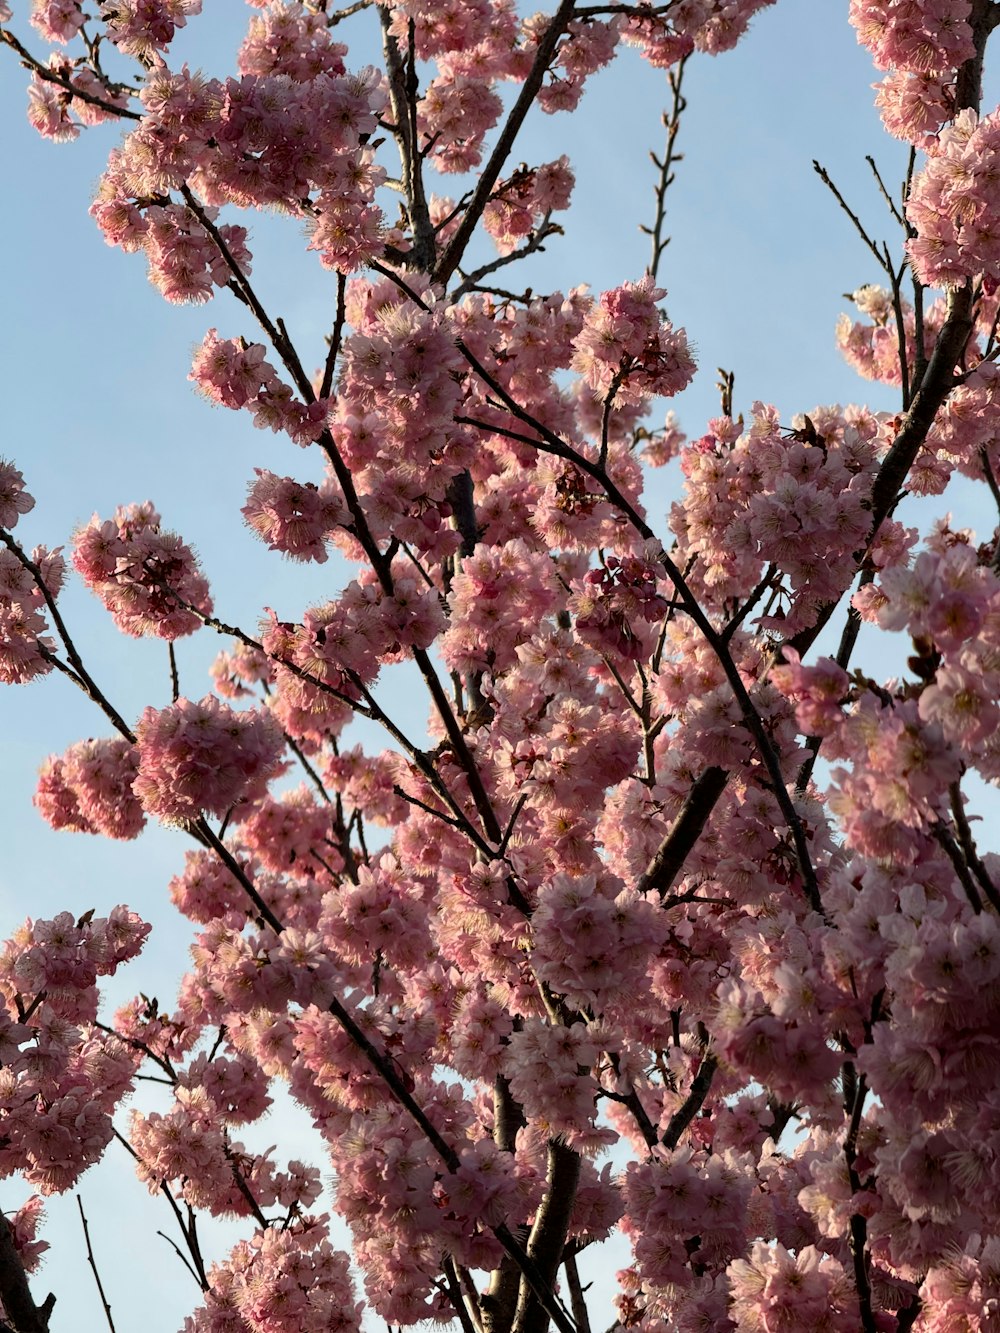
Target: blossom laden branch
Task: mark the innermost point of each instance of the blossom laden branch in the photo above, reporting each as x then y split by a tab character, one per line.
449	261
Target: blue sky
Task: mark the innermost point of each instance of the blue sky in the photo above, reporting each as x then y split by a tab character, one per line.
98	411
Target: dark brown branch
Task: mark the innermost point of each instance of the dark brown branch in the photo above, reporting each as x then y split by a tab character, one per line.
947	844
968	846
549	442
676	847
824	176
21	1311
452	257
175	684
991	482
85	680
402	81
336	338
577	1303
535	244
933	384
241	285
893	206
937	384
548	1237
695	1100
339	15
895	280
63	81
468	1315
241	1183
858	1225
633	1101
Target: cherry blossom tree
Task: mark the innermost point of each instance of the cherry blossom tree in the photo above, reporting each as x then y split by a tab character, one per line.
673	923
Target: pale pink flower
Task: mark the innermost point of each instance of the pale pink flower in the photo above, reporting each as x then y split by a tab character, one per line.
14	499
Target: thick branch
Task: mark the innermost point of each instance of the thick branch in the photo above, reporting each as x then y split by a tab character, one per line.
692	1104
685	831
23	1315
548	1234
403	97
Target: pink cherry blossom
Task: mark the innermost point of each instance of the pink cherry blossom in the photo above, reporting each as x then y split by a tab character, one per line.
580	858
14	499
203	757
147	578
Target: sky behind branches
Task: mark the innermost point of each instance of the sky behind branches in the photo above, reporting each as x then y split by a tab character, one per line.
98	412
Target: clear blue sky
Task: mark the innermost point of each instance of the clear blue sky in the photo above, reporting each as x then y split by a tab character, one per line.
98	411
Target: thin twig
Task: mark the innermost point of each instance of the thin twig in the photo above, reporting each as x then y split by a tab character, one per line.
895	280
549	442
738	617
948	845
991	482
175	684
336	337
196	1267
86	681
339	15
93	1265
968	846
279	339
893	208
858	1224
63	81
672	123
533	245
824	176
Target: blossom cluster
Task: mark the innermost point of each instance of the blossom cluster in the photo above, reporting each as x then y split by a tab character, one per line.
24	645
520	204
290	1281
952	205
628	350
615	603
795	501
921	43
243	142
89	789
63	1077
147	578
203	757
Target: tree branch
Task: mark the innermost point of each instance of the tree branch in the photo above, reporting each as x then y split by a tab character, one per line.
452	257
20	1310
93	1265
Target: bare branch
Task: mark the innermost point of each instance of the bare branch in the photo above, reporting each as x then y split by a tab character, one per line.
93	1265
672	124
